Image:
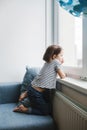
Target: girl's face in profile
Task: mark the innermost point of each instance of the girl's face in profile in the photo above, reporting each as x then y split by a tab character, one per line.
60	57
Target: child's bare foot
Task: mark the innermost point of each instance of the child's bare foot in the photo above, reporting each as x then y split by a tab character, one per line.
23	108
16	109
20	108
23	95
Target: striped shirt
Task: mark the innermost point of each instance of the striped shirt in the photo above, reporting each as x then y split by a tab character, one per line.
47	76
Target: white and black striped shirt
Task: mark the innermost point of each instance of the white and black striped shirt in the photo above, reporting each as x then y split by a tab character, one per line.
47	76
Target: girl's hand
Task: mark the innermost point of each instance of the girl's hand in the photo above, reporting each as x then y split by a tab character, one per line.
62	61
61	74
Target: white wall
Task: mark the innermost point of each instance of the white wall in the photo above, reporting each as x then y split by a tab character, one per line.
22	37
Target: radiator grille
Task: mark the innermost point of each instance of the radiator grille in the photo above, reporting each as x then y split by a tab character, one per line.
68	115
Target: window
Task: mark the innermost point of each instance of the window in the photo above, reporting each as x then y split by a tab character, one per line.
72	37
78	41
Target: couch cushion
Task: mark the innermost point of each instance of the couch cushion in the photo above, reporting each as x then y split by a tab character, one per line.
10	120
28	77
9	92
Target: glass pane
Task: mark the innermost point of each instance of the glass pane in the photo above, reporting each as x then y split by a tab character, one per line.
70	38
78	41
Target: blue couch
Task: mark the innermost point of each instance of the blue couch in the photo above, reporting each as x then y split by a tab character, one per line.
9	120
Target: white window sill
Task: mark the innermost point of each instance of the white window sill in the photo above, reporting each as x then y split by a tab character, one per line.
76	84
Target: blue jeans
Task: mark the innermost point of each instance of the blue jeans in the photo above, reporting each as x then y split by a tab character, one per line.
39	101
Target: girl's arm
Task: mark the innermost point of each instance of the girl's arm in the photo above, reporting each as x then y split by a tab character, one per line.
61	73
23	95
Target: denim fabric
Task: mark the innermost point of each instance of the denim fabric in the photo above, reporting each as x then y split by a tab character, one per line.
25	102
39	101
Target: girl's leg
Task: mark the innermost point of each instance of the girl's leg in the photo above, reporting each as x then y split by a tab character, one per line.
25	102
40	104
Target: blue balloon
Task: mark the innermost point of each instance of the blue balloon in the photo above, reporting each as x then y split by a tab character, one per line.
74	7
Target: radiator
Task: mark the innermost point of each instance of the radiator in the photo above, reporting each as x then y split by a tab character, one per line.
67	114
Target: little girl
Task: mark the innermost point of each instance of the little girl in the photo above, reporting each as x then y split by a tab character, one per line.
38	92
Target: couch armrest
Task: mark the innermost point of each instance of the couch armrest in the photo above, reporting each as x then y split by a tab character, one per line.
9	92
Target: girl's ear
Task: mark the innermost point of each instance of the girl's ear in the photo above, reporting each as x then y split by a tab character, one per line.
54	56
